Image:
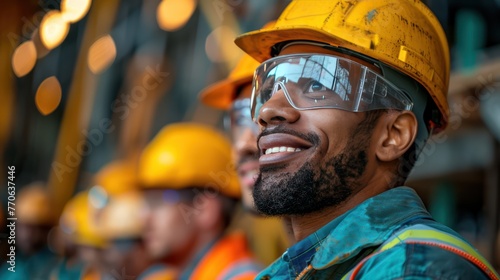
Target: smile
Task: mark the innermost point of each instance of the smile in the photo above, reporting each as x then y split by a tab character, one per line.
281	149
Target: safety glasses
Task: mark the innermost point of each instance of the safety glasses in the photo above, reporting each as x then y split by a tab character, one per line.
319	81
239	118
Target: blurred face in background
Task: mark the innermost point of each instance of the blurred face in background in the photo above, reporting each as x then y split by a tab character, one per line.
246	154
126	255
31	238
169	231
91	256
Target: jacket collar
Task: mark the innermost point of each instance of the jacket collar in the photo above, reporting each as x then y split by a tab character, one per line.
368	224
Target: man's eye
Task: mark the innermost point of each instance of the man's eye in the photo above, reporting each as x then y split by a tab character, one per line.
265	94
315	86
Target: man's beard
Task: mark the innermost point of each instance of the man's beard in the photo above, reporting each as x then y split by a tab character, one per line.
312	188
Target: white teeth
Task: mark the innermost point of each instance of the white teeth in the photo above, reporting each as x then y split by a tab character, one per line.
282	150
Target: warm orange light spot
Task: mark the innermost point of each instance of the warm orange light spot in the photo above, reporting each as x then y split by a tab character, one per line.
220	46
53	29
48	96
101	54
74	10
24	58
41	49
173	14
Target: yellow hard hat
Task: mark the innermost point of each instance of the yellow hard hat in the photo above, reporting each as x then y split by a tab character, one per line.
78	219
403	34
123	216
185	155
221	94
117	177
34	205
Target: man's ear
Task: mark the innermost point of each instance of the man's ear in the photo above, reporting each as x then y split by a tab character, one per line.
397	132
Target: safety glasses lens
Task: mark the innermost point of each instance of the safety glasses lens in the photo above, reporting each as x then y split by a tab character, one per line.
317	81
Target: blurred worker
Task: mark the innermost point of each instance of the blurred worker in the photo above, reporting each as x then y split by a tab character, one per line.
35	219
122	220
115	177
70	267
192	189
346	96
79	221
267	236
121	223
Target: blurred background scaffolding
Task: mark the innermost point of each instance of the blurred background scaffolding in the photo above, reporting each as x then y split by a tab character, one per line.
86	82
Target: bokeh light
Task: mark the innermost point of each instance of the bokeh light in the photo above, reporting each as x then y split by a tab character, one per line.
173	14
41	49
24	58
48	96
220	46
53	29
74	10
101	54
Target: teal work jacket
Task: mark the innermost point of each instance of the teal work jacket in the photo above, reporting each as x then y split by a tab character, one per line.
338	247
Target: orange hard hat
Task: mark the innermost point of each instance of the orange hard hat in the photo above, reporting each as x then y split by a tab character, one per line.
222	94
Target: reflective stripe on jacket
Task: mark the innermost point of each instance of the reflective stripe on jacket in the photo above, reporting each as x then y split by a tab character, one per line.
421	234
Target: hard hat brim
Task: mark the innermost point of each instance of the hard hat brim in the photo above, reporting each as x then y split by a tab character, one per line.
258	44
222	94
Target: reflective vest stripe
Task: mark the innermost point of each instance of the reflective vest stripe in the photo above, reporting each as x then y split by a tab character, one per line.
420	234
244	269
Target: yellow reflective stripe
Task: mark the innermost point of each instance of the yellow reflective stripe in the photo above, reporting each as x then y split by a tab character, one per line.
436	236
427	234
431	236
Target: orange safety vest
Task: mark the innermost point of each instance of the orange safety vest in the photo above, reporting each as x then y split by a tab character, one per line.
420	234
90	274
164	274
228	258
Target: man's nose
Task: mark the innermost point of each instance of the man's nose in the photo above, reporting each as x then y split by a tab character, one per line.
277	109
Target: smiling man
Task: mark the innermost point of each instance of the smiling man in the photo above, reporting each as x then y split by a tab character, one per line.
346	96
267	237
